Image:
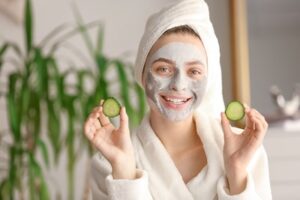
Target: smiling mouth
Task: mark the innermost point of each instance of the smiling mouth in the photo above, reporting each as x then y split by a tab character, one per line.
176	100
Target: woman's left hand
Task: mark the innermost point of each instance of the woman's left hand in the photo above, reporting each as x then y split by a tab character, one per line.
240	148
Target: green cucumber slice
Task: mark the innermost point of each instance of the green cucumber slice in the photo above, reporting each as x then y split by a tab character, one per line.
235	111
111	107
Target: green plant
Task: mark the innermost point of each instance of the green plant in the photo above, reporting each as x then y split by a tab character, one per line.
40	100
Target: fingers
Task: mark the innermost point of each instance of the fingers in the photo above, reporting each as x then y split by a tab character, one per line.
256	125
92	123
225	126
104	121
250	125
255	120
89	129
123	120
95	131
95	121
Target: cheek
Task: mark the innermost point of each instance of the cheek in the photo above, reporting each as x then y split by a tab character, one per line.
150	83
199	87
150	86
155	83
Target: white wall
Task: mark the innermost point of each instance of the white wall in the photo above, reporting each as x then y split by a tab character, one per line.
124	23
274	33
274	61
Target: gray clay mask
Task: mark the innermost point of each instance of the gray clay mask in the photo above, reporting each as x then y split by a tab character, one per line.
178	95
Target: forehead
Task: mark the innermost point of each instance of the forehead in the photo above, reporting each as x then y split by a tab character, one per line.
177	37
177	52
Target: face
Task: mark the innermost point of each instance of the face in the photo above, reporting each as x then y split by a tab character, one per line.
175	75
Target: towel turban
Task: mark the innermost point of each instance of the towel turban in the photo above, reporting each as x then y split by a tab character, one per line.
195	14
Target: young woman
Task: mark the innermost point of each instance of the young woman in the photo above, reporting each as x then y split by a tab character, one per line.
181	150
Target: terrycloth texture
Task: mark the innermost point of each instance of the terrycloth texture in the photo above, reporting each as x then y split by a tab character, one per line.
195	14
159	178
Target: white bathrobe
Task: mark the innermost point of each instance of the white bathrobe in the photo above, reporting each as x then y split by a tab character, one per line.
159	179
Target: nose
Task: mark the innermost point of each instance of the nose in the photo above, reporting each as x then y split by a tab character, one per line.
178	81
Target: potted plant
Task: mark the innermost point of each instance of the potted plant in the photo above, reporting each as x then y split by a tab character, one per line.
40	101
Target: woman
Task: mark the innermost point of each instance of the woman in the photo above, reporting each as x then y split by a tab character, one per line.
181	150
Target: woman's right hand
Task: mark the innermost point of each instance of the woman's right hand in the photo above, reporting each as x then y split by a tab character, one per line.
114	143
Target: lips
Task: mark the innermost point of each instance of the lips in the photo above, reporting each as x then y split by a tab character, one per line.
175	102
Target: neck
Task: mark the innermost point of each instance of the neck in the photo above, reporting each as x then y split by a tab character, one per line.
175	136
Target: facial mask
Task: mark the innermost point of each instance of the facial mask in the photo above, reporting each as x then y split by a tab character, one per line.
177	96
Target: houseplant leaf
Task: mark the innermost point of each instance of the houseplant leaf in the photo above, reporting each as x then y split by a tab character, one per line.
44	151
28	24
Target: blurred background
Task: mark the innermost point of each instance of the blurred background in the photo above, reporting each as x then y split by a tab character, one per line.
274	41
58	58
274	50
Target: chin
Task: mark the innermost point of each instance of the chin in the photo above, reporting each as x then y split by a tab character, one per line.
177	116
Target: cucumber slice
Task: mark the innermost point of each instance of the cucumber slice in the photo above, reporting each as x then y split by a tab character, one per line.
111	107
235	111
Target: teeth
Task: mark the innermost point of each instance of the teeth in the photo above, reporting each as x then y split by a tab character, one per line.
176	101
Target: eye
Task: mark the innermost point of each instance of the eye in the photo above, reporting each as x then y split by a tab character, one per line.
195	73
164	70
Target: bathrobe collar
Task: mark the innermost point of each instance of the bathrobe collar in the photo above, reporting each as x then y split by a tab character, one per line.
163	174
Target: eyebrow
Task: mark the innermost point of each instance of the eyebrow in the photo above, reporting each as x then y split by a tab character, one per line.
199	62
163	60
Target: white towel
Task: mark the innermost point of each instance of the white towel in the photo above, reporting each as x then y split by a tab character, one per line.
195	14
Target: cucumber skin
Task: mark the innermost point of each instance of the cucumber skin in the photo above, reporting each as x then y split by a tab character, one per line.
227	115
115	101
